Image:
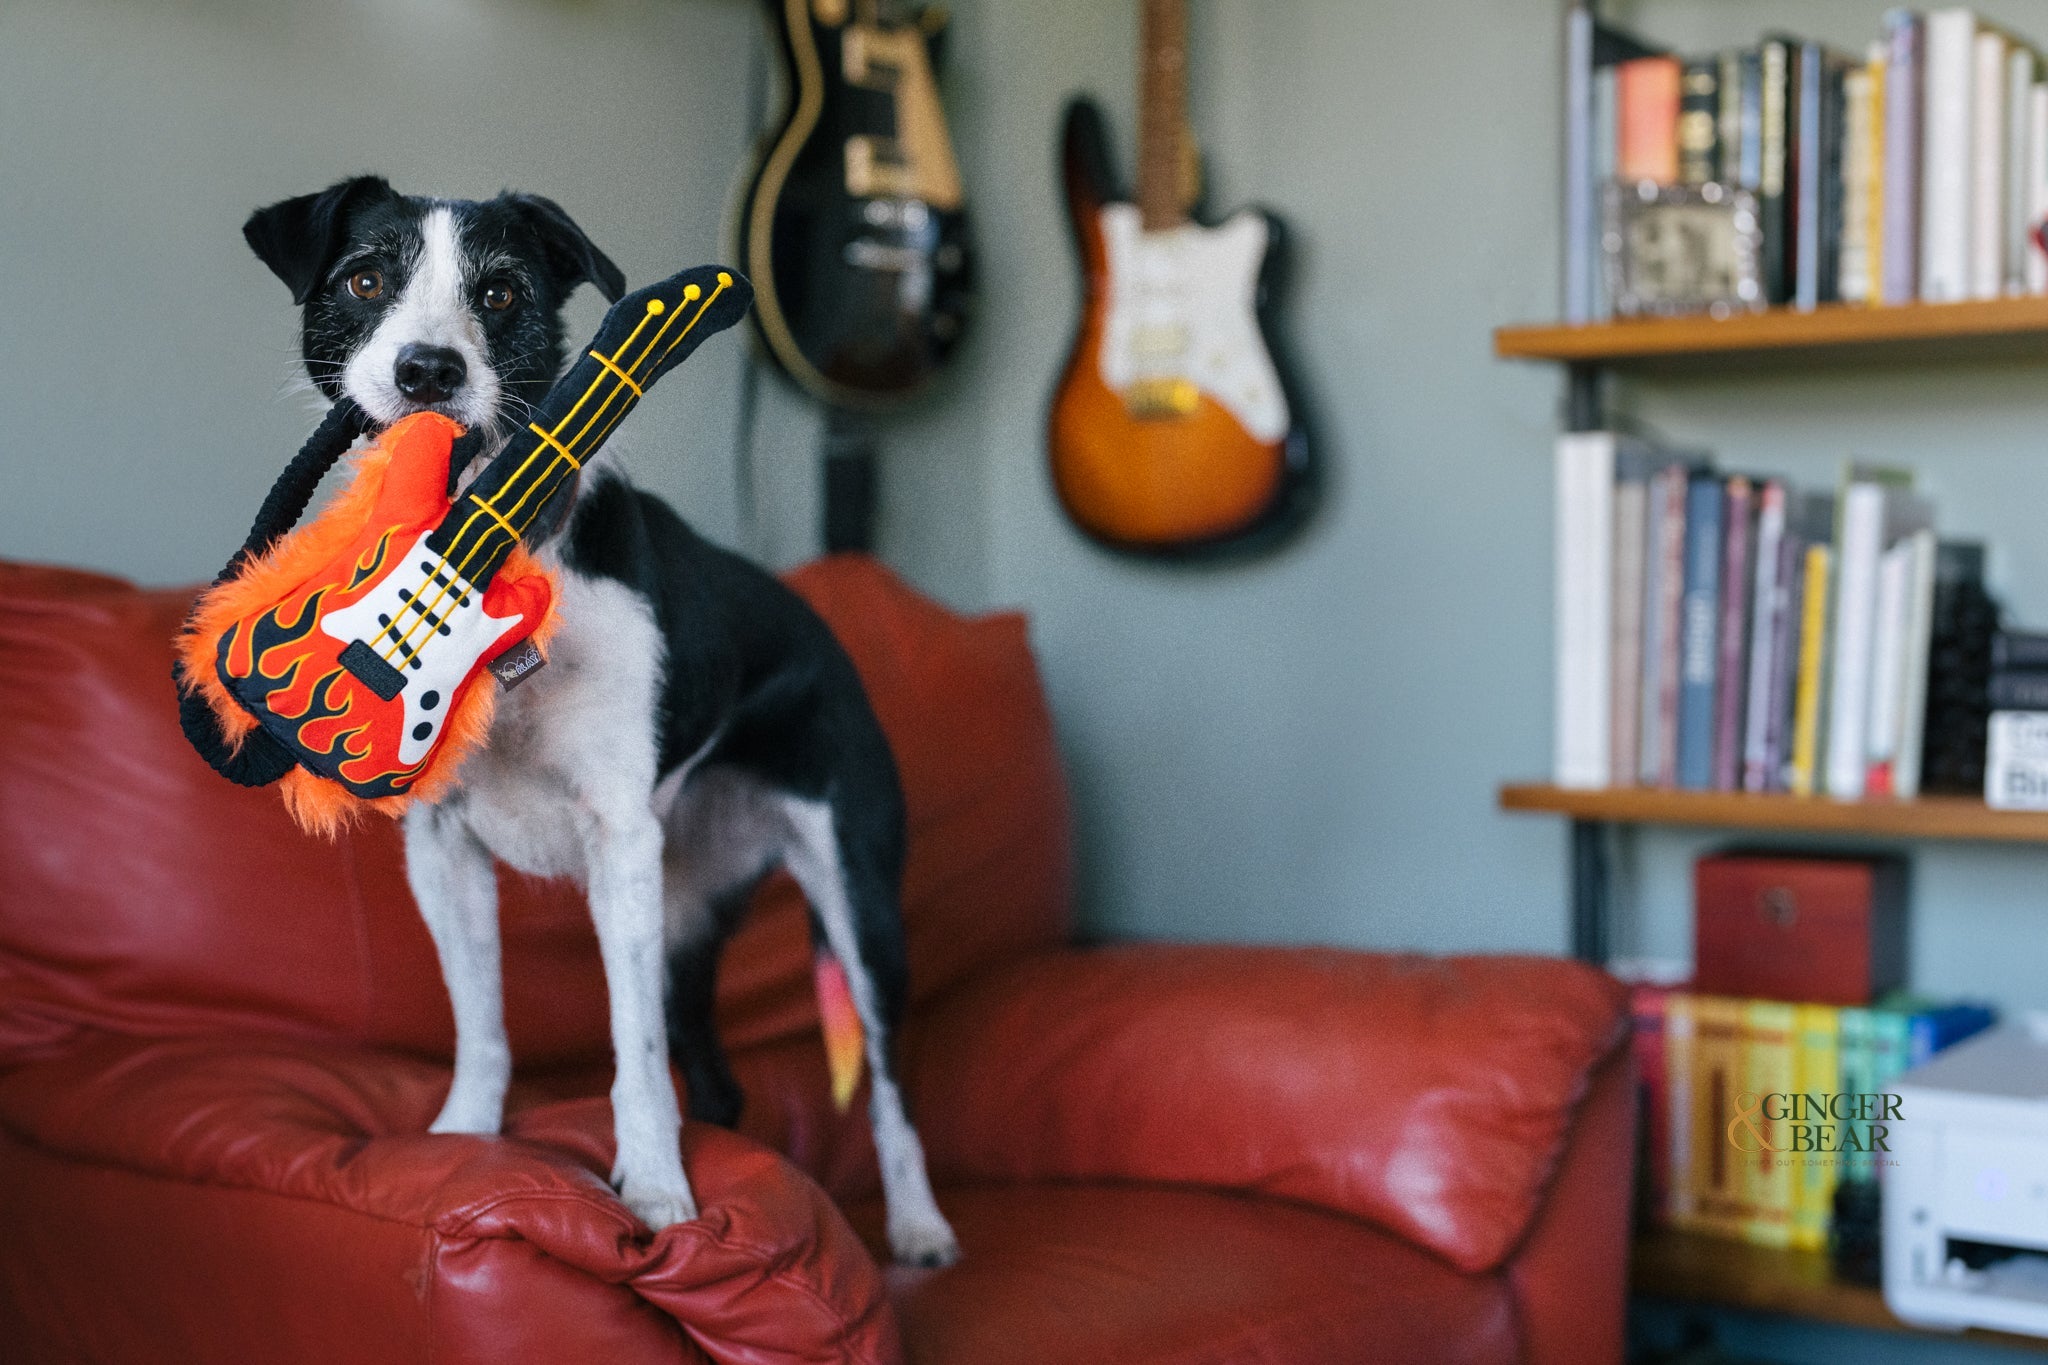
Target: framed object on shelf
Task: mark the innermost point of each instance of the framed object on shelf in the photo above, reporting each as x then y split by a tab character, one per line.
1672	250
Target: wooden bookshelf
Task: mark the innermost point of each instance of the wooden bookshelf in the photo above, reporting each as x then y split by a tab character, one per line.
1913	333
1929	817
1682	1267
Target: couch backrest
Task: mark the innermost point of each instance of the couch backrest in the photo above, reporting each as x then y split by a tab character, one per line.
143	894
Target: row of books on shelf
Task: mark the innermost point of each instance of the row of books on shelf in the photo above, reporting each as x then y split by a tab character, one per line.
1916	170
1756	1110
1730	632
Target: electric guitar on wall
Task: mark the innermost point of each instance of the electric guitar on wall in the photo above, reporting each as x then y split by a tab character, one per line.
853	226
1172	430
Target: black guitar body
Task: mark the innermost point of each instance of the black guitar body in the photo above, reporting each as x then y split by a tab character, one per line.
853	226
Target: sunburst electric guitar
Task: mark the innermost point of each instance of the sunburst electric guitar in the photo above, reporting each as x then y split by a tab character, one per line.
1173	430
356	643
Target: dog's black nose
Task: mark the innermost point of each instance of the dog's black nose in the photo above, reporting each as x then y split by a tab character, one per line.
429	374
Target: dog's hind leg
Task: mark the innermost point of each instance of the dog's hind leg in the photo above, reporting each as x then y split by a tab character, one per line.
623	849
853	896
457	891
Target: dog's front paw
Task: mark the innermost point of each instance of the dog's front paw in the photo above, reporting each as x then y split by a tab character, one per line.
468	1114
926	1242
658	1206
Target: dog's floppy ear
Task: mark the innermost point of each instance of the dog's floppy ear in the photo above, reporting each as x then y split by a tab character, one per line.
299	238
571	254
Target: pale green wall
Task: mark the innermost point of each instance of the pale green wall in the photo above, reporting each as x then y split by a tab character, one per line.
1305	748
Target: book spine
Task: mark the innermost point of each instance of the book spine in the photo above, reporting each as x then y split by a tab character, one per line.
1671	542
1699	120
1769	1046
1987	168
1774	179
2017	691
2019	151
1606	124
1581	239
1720	1178
1728	119
1767	605
1818	1067
1631	545
1858	1078
1585	574
1855	613
1681	1040
1732	666
1788	616
1945	159
1700	659
1809	154
1833	181
1871	206
2037	188
1887	664
1852	282
2019	649
1646	98
1919	654
1902	151
1813	651
1749	160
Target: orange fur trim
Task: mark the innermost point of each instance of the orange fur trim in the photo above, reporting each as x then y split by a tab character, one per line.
320	805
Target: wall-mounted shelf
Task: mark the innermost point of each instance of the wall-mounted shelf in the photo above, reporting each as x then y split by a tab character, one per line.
1916	333
1687	1268
1929	817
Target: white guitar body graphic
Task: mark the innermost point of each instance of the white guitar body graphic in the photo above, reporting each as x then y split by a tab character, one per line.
1183	310
434	654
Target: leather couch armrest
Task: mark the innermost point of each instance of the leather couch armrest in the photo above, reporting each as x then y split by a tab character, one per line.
518	1239
1432	1097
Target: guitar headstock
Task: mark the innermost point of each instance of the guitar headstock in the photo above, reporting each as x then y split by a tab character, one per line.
651	331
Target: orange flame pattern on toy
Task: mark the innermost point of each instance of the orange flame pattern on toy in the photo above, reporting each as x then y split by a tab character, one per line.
840	1022
258	633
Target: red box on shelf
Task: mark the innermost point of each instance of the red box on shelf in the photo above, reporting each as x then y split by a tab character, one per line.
1830	930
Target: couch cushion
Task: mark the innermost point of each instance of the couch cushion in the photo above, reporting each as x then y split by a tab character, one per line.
1146	1275
319	1195
144	894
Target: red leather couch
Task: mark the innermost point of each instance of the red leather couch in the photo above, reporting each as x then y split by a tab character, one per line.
221	1043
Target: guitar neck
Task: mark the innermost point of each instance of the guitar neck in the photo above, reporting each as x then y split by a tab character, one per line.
579	412
1165	151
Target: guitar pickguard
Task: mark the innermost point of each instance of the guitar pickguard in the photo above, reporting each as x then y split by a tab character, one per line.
1182	319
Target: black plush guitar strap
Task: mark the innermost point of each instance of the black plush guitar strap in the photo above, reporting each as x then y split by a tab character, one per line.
262	760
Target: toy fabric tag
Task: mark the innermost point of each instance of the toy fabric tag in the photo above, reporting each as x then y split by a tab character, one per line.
517	664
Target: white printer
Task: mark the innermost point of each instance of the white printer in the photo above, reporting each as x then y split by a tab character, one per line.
1966	1200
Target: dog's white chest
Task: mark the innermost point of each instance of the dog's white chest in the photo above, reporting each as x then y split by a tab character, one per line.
575	739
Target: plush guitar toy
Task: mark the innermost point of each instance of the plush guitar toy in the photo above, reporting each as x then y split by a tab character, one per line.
344	658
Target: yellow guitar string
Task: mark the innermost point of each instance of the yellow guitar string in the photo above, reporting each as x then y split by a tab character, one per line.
483	506
607	364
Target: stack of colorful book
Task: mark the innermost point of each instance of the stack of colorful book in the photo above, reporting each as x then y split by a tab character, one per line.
1730	632
1757	1109
1915	170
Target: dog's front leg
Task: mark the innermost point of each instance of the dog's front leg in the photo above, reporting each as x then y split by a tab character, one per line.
624	854
457	891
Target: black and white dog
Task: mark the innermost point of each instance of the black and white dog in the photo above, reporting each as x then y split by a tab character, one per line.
696	726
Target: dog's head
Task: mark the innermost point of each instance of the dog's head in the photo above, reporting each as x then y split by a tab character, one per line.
453	305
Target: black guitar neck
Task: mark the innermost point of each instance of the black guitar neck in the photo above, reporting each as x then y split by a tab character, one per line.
644	336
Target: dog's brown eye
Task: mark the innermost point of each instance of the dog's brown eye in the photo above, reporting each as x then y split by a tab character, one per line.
498	297
366	284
